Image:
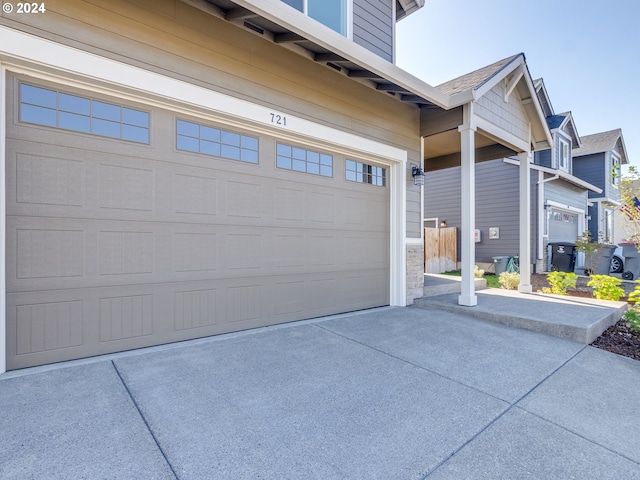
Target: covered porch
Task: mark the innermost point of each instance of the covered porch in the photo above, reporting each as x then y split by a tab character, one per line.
499	116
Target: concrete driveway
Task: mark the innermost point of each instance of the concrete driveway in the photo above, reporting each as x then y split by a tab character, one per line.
394	393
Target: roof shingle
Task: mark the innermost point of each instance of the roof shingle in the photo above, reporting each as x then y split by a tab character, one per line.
477	78
598	142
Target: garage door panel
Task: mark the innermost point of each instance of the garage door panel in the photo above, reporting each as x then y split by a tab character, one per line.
59	325
563	226
113	246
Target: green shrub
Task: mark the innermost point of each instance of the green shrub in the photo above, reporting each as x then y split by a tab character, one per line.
560	281
606	287
632	317
509	280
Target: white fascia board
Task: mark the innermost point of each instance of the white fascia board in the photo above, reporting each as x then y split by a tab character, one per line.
486	87
569	120
297	22
559	173
543	87
500	134
624	160
536	102
411	6
517	63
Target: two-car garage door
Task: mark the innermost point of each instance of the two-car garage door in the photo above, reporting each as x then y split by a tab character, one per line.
129	226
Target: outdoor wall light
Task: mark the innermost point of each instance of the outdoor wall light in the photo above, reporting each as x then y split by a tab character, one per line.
418	175
443	224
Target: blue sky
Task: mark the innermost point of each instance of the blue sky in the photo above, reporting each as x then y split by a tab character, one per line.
587	52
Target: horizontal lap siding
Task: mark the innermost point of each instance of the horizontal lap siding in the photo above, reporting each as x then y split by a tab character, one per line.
497	205
591	169
373	26
566	194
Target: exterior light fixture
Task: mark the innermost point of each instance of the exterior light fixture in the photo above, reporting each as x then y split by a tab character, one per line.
443	224
418	175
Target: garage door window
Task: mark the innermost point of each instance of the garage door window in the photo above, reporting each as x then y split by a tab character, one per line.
307	161
363	173
52	108
193	137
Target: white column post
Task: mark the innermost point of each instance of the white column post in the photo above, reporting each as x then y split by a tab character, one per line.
525	222
468	206
3	222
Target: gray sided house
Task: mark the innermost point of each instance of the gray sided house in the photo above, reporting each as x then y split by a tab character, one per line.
183	168
595	161
558	201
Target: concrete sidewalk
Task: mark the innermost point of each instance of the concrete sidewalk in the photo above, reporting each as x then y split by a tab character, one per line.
573	318
394	393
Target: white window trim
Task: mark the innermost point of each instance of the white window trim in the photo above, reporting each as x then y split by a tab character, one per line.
615	163
562	144
22	53
348	17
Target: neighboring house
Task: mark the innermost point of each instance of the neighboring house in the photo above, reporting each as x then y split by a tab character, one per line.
598	162
623	227
183	168
558	202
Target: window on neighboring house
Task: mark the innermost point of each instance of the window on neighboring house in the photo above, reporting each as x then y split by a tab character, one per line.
363	173
607	231
564	155
332	13
52	108
307	161
197	138
615	170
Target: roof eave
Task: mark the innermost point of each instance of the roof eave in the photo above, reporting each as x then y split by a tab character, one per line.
409	7
289	18
561	174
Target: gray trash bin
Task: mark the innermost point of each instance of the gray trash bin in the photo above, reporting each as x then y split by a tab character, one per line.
500	263
599	262
631	261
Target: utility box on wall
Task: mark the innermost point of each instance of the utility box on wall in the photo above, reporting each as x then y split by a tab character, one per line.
477	235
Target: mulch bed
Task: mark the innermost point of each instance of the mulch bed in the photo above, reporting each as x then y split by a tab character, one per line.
618	338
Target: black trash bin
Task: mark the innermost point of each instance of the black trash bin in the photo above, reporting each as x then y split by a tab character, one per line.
563	258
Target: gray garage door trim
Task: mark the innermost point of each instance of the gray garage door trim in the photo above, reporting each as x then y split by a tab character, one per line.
396	177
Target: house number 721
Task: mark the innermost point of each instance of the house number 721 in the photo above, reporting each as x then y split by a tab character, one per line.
278	119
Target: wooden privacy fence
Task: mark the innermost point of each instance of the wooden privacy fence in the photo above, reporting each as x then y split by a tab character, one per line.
440	249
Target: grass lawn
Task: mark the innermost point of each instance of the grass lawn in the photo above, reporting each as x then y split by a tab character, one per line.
492	280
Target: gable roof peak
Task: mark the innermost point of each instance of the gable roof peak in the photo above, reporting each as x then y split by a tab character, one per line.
476	79
602	142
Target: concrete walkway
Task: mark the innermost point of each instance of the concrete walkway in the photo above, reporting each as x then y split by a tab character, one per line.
393	393
574	318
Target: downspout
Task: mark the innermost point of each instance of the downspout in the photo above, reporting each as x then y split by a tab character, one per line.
541	182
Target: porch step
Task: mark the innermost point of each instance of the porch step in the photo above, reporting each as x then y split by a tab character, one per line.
573	318
437	284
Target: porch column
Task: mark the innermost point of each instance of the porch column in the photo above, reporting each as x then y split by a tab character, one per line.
525	222
468	205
